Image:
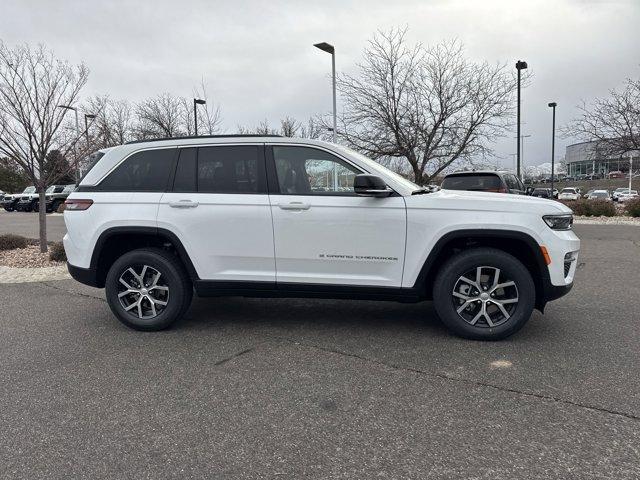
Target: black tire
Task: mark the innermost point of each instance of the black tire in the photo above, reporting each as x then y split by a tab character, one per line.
55	206
510	269
174	277
35	206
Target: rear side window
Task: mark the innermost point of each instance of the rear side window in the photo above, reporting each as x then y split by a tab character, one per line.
230	169
146	171
185	179
472	182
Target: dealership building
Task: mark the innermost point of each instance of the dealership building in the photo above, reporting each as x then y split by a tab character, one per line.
583	158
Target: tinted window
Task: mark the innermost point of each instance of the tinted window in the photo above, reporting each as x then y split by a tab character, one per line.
308	171
185	179
146	171
512	182
233	169
472	182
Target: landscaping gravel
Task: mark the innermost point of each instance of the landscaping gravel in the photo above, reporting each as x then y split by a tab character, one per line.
29	257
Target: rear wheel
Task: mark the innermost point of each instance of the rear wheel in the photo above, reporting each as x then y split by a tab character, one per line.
484	294
35	206
148	289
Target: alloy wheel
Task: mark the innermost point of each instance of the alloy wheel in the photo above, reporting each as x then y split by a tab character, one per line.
142	294
485	297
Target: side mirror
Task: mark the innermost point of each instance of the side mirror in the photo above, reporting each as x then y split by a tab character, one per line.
366	185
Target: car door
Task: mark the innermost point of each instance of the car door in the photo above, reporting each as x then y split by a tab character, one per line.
219	209
323	232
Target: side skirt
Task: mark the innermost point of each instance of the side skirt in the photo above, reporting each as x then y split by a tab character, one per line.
214	288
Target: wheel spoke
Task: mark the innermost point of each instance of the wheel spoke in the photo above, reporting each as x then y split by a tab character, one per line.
140	308
507	300
134	304
129	287
470	282
460	295
153	308
503	310
464	305
496	278
477	317
504	285
155	280
487	317
127	292
135	275
478	277
159	287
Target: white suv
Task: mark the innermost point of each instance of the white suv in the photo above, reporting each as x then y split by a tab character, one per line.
270	216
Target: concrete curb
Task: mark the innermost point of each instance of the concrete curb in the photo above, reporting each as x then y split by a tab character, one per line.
35	274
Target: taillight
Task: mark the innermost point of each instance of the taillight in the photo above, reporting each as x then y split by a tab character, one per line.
77	204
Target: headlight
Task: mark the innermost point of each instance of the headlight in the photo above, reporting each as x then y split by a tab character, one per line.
559	222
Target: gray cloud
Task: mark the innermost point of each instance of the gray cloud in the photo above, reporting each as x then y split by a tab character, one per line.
258	61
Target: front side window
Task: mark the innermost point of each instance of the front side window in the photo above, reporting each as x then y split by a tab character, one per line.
146	171
309	171
230	169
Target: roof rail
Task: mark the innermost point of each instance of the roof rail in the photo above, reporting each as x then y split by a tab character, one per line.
201	136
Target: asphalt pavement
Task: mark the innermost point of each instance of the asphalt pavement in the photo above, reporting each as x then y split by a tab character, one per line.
26	224
276	388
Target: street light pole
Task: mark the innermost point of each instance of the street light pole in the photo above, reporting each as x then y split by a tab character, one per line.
553	105
325	47
87	116
520	65
196	101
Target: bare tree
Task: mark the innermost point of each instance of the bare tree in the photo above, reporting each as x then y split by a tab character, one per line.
113	124
209	115
159	117
33	84
614	122
289	127
431	107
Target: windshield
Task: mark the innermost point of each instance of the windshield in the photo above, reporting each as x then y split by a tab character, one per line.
51	189
29	190
600	195
397	177
568	190
69	188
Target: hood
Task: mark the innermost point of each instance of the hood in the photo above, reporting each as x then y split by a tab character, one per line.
495	202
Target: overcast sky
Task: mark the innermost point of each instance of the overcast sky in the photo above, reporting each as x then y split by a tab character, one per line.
258	61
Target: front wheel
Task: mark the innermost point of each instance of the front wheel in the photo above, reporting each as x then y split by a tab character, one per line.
148	289
484	294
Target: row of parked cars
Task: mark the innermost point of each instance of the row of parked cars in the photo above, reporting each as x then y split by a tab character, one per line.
507	182
29	199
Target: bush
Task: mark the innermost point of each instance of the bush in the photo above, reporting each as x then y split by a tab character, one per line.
633	207
592	208
11	242
57	253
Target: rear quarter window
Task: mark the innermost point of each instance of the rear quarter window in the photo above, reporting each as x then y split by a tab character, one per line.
145	171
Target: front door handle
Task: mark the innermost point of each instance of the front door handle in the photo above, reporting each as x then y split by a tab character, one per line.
294	206
183	204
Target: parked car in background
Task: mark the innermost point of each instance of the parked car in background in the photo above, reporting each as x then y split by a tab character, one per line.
1	195
599	195
484	181
628	196
586	195
28	200
569	193
542	193
617	192
57	194
9	201
616	174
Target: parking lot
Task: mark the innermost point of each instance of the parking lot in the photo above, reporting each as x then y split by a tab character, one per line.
274	388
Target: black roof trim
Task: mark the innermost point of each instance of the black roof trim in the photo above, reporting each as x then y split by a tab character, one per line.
193	137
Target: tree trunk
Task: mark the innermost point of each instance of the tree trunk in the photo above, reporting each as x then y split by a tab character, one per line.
42	219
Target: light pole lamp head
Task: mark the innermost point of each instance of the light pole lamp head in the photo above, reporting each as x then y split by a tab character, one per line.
199	101
325	47
521	65
553	104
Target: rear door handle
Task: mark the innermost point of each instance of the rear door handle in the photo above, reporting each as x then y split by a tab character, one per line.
294	206
183	204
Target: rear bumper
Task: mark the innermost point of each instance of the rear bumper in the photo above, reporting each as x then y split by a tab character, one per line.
83	275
